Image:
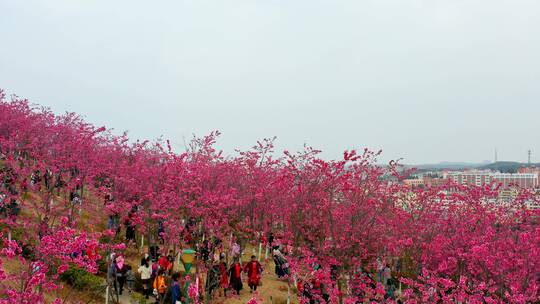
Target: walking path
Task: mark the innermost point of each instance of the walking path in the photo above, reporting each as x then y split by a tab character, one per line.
272	290
126	298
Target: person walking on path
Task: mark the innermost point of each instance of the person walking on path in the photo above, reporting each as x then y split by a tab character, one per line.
236	250
146	273
254	272
160	287
176	291
235	276
110	271
120	273
130	279
282	267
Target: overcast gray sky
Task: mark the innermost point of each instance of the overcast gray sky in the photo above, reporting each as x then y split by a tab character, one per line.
426	80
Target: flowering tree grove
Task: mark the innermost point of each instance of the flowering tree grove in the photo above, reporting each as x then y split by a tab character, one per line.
63	179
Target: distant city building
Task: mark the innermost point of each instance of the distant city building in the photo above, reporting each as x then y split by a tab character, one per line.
481	178
416	182
533	170
522	180
508	195
526	178
431	181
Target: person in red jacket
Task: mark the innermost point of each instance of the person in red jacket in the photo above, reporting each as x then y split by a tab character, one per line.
224	277
254	272
235	278
164	263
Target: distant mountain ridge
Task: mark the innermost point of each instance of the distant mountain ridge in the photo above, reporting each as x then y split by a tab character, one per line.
451	165
502	166
508	166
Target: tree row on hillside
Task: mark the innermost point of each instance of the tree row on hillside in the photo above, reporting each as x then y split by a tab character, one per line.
68	185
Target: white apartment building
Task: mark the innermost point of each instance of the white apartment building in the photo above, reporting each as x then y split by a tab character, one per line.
480	178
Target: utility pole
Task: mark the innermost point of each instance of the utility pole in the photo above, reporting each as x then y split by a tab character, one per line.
529	160
495	154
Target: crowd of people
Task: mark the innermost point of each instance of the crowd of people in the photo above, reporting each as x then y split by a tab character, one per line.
222	273
157	277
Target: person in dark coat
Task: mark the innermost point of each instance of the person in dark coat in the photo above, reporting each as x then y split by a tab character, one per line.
212	280
120	273
282	268
271	239
130	229
235	277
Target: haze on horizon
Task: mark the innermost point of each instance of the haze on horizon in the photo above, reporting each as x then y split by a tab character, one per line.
426	81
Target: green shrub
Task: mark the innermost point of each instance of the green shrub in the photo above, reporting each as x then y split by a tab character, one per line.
139	298
81	279
103	266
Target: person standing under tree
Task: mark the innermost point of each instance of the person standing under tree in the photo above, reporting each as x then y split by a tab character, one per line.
212	280
254	272
380	269
171	257
130	229
270	239
386	275
205	251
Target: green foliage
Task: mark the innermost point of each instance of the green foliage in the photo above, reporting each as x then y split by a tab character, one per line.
16	233
139	298
82	280
103	267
